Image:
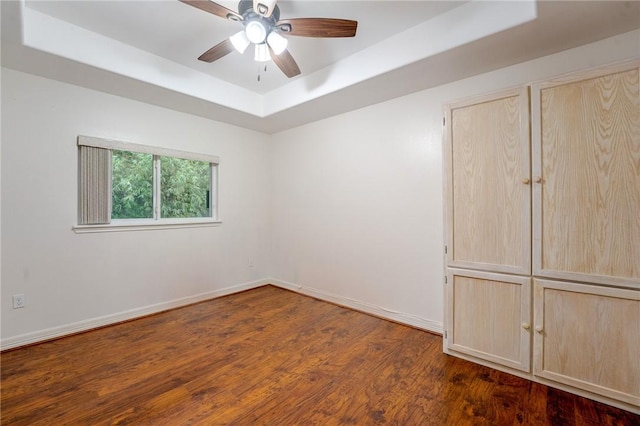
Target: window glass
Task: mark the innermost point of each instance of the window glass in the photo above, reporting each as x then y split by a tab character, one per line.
132	185
184	188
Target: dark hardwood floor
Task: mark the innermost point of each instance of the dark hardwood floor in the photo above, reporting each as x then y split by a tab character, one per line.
269	356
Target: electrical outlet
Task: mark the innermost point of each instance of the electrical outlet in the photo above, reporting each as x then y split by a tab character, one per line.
18	301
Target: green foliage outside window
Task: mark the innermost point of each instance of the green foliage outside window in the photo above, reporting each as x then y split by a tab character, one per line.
131	185
184	186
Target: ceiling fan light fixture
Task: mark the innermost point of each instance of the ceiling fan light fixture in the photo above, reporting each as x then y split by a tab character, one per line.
240	41
262	53
263	28
277	43
255	32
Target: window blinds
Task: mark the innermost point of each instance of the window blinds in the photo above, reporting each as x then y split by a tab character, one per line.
95	185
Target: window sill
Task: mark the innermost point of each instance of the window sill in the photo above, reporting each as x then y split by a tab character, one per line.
145	225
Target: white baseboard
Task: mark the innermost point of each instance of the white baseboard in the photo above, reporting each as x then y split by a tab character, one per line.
400	317
85	325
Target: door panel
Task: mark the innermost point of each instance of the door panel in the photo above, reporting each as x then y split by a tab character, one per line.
588	337
488	183
587	155
489	317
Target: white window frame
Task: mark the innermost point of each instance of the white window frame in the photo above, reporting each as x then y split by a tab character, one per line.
156	222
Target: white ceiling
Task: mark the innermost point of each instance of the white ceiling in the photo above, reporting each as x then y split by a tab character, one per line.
180	32
147	50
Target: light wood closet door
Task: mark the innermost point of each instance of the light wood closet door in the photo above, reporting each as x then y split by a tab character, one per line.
489	317
487	157
586	141
589	337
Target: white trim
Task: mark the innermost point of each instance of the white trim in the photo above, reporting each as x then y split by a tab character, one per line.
146	225
145	149
213	192
378	311
93	323
156	185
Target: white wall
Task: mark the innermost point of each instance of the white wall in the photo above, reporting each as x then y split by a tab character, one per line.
72	281
358	211
348	208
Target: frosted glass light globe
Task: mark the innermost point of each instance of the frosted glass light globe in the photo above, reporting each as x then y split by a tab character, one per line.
256	32
277	43
262	53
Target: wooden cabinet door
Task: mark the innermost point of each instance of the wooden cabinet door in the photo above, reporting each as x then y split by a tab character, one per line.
586	168
588	337
489	317
487	166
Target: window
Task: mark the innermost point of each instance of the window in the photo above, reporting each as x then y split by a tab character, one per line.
131	185
185	187
127	185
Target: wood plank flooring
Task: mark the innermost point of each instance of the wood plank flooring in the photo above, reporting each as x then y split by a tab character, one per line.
271	357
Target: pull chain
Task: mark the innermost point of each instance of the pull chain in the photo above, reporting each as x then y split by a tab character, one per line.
265	70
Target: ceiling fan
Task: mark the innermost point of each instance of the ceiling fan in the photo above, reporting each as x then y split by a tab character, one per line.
264	28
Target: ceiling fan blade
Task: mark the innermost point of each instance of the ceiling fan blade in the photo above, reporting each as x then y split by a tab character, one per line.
214	8
318	27
285	62
218	51
264	7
